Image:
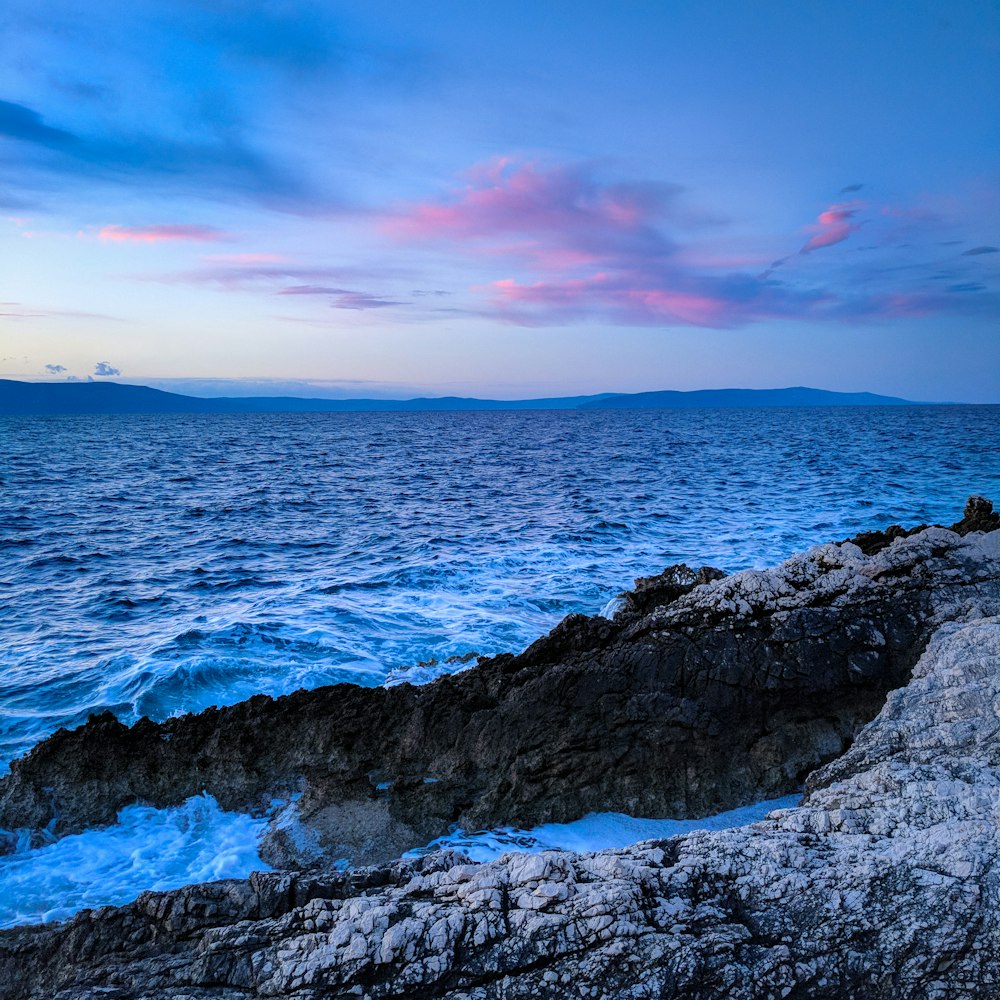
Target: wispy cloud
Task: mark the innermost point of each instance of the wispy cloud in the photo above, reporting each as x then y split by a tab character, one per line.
55	369
27	125
106	368
20	311
834	226
162	234
361	301
343	298
586	249
273	274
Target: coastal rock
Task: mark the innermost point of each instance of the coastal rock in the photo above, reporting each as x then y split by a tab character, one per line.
882	884
977	516
728	691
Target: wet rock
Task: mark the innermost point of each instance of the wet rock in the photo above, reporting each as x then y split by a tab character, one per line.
977	516
730	691
675	581
882	884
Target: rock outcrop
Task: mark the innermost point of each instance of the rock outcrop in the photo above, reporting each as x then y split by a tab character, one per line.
718	693
882	884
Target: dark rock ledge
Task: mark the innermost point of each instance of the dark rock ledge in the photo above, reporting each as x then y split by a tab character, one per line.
727	691
701	695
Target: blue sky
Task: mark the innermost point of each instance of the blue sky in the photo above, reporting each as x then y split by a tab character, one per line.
502	199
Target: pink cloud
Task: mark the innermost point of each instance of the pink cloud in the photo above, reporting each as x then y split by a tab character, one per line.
556	216
162	234
578	249
834	226
626	301
654	299
605	250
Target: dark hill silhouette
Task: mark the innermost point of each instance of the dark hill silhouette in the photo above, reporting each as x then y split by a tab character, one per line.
114	397
799	395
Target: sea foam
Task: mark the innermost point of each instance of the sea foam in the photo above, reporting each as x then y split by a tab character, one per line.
596	832
160	849
147	849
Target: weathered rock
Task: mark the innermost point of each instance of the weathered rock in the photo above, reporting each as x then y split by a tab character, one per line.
731	691
977	516
883	884
675	581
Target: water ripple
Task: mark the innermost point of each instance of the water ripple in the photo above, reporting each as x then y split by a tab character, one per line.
162	564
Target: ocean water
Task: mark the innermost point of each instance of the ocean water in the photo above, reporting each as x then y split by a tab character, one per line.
153	565
596	832
160	849
158	565
147	849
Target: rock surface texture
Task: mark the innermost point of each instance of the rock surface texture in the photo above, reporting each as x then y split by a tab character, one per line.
882	884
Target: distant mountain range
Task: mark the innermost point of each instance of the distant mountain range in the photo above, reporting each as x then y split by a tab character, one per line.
114	397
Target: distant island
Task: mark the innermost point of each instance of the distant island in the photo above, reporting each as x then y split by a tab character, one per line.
37	398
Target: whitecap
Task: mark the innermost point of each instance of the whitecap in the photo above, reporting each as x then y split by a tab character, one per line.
147	848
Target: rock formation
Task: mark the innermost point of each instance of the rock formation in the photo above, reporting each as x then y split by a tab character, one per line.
881	884
701	695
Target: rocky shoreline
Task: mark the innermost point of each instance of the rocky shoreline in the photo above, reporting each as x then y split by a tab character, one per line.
703	693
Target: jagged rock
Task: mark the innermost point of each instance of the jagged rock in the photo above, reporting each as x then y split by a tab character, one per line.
883	884
977	516
731	692
675	581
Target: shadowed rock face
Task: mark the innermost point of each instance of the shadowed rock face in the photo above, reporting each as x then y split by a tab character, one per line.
882	884
701	695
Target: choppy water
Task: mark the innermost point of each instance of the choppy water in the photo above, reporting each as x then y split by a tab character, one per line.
160	849
147	849
155	565
160	564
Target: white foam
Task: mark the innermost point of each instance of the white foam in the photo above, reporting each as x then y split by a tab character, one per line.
160	849
612	607
146	849
596	832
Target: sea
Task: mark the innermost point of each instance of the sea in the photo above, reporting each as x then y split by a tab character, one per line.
156	565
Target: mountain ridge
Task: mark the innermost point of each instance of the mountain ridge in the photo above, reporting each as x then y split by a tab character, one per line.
41	398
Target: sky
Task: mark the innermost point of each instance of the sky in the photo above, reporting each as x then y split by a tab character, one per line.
509	200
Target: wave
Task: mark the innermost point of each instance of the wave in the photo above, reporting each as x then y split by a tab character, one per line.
159	849
389	546
147	849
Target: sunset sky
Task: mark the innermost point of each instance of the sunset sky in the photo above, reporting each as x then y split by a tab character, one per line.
508	200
